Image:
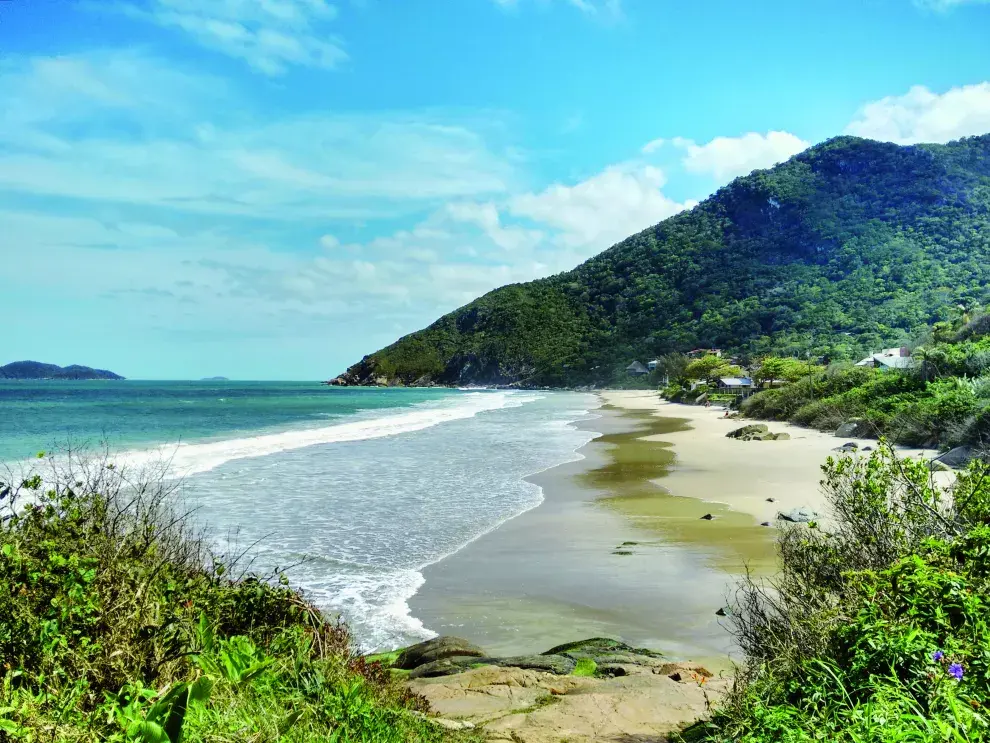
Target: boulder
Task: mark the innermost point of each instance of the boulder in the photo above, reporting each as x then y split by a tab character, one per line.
561	665
798	515
436	649
855	428
848	447
603	649
781	437
707	517
748	431
447	667
701	399
955	458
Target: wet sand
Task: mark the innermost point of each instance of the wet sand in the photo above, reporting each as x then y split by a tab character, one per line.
608	552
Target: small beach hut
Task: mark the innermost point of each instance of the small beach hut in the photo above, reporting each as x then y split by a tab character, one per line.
735	385
636	369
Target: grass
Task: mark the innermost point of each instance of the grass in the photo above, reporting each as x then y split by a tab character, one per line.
119	623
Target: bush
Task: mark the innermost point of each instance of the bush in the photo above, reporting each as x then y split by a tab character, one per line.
119	622
876	627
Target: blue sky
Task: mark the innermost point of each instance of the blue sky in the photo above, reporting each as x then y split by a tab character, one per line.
269	189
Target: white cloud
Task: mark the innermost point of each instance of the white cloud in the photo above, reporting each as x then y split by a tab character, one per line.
603	209
134	130
728	157
650	147
269	35
486	216
923	116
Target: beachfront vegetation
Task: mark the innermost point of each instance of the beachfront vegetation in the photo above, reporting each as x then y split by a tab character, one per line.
119	623
942	400
876	628
849	247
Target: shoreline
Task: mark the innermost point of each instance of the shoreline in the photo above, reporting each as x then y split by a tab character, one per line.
574	566
621	545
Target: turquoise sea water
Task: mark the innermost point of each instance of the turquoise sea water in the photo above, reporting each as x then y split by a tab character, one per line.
358	489
36	414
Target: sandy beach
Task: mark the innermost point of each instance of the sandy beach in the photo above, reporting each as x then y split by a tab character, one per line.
741	475
621	545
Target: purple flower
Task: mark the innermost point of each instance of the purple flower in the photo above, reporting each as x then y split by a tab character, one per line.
956	671
937	656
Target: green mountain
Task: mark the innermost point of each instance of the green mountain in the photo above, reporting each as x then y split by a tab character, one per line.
38	370
851	246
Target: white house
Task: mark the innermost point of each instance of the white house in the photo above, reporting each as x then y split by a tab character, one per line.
890	358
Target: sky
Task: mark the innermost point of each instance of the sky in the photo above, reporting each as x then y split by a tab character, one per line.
270	189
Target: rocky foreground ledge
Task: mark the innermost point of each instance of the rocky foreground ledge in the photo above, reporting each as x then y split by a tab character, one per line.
594	690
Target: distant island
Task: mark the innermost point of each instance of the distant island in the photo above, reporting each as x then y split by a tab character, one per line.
214	379
38	370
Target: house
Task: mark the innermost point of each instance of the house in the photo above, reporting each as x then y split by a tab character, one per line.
890	358
699	352
652	365
735	385
636	369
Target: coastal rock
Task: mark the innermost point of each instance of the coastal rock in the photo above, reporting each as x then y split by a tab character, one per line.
605	650
559	665
707	517
961	456
437	649
781	437
747	432
855	428
447	666
848	447
620	703
798	515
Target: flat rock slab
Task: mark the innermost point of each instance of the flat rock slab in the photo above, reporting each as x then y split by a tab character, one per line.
523	706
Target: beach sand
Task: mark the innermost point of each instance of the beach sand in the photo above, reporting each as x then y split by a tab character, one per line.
742	475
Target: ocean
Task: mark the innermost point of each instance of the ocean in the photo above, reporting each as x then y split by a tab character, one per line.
357	489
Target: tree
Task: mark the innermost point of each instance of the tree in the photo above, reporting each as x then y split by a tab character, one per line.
786	369
711	367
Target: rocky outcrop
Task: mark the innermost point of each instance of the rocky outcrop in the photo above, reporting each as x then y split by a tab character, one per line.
437	649
798	515
855	428
593	690
756	432
626	702
957	458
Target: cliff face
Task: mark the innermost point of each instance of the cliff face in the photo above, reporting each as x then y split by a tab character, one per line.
849	246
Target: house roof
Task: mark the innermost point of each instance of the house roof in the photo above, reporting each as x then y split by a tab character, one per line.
737	381
637	367
889	360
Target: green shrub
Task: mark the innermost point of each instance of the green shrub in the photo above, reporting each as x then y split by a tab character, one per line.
878	626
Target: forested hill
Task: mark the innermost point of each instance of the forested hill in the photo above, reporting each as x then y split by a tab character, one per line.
851	246
38	370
